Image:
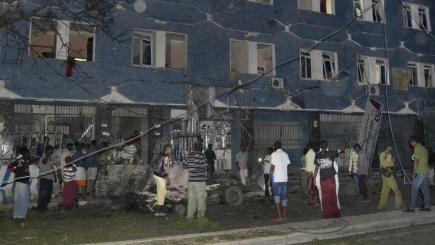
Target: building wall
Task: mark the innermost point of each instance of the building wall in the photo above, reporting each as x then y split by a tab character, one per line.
210	25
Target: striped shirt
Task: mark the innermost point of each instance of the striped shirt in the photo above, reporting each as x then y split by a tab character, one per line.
69	173
197	164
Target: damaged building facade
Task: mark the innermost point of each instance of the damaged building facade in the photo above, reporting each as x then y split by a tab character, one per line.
174	56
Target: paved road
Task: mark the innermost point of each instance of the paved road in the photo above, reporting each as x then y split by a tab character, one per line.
415	235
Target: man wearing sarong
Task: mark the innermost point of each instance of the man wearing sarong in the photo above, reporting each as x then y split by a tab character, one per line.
20	167
326	176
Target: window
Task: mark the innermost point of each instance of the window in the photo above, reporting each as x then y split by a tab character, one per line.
160	49
81	42
322	6
329	70
412	74
175	51
264	58
416	17
43	38
252	57
421	75
362	71
143	49
318	65
262	1
369	10
428	76
59	39
372	70
305	65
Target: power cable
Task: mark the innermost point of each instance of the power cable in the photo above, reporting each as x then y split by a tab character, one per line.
387	107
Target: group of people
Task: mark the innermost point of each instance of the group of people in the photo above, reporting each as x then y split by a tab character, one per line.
200	170
75	171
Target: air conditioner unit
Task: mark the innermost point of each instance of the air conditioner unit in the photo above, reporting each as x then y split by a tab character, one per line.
374	90
277	83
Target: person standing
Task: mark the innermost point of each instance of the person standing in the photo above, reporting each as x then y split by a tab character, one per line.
279	163
67	152
326	175
313	194
46	171
92	163
266	172
161	178
81	169
420	176
196	163
211	158
389	182
353	170
363	172
242	165
70	187
304	175
20	168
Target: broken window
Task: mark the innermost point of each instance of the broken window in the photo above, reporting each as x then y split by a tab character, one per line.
305	65
81	42
322	6
372	70
329	70
416	17
428	76
142	49
251	57
43	38
318	65
239	57
262	1
369	10
176	51
362	71
412	74
421	75
264	58
381	71
358	9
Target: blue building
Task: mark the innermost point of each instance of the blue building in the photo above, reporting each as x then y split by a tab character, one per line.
162	57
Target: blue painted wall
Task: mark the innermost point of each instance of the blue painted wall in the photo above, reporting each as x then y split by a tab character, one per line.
209	54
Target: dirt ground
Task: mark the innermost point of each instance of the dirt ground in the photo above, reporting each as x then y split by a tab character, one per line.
97	224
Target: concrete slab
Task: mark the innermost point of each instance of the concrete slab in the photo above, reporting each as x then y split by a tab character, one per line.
295	233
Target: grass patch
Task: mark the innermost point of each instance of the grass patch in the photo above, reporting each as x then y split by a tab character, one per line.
195	224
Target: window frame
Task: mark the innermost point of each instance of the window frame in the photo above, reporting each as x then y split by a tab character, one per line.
319	11
414	12
420	69
415	66
255	57
316	74
187	49
370	64
58	50
365	11
153	51
94	34
158	59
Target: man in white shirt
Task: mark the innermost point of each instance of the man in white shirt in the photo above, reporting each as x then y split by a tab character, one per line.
278	171
266	172
242	165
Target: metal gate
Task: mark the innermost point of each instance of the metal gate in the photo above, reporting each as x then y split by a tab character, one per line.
289	133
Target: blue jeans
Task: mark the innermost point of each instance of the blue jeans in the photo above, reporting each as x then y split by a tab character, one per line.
355	178
280	193
421	182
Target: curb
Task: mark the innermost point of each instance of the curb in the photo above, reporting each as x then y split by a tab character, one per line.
301	232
